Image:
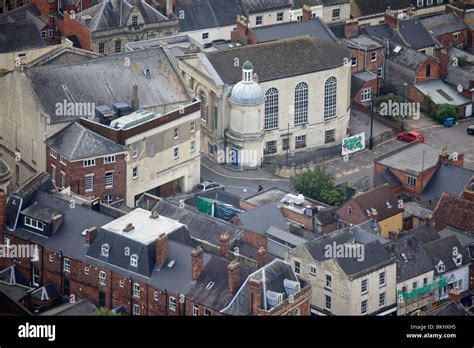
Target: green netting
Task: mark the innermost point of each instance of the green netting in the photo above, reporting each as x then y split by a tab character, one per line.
410	295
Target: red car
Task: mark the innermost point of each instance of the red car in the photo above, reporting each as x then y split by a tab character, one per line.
411	136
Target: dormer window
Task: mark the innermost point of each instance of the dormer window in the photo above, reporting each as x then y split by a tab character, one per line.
135	21
105	250
134	260
457	257
33	223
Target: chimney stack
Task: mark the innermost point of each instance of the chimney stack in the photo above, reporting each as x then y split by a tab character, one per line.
197	262
255	290
3	210
391	18
224	244
233	276
261	257
169	8
351	28
91	233
443	57
135	102
454	296
443	156
468	192
161	245
57	222
306	12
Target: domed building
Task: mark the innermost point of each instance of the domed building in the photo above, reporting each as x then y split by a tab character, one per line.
245	134
300	101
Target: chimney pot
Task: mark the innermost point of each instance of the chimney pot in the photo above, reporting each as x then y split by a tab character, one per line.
261	257
91	233
224	244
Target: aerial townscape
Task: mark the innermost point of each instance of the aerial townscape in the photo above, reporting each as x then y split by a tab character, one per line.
236	158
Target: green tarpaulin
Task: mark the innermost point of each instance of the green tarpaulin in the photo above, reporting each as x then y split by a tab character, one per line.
205	206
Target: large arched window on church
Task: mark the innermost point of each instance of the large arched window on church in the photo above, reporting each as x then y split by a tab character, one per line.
330	98
271	109
203	98
301	103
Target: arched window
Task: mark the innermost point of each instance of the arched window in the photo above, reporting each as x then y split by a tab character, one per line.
330	98
105	250
271	109
301	103
203	98
134	260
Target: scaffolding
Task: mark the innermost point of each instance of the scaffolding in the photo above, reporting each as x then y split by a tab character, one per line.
419	298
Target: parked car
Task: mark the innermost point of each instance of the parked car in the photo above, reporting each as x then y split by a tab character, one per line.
209	185
470	129
411	136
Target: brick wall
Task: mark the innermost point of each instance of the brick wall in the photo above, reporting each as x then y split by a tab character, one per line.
448	40
72	27
364	60
75	175
254	239
372	84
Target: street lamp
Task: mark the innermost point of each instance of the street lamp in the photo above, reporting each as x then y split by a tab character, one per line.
288	145
404	100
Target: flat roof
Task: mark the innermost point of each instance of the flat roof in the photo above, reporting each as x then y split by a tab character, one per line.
409	158
441	93
146	229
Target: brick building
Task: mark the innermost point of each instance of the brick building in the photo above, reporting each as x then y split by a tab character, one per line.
90	164
423	173
141	262
448	29
454	211
379	204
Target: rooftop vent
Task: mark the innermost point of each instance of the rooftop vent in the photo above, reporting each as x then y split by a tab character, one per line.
389	206
209	285
154	214
129	227
171	263
397	49
404	257
374	211
147	72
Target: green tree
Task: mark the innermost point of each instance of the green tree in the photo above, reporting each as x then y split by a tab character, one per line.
442	111
106	312
318	184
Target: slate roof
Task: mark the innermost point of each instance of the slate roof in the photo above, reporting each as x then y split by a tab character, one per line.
442	249
359	79
362	42
19	36
448	309
369	7
415	34
272	277
465	238
253	6
276	59
374	252
449	179
26	14
443	24
199	226
218	295
49	291
418	260
76	142
106	17
82	307
104	81
12	275
253	220
384	31
41	212
386	177
377	198
206	14
314	27
458	76
455	212
407	57
408	158
297	4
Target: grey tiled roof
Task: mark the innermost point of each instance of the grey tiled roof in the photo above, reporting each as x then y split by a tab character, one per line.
272	277
19	36
415	34
314	27
252	6
299	3
82	307
442	249
76	142
383	31
458	76
448	178
205	14
375	253
199	226
443	24
465	238
104	81
368	7
27	14
276	60
407	57
253	220
105	17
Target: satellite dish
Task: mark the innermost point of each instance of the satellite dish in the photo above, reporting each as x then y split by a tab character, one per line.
460	89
